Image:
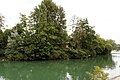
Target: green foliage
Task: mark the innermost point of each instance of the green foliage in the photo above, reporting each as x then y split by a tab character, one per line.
1	22
97	74
3	40
104	46
118	47
112	43
43	35
85	38
49	26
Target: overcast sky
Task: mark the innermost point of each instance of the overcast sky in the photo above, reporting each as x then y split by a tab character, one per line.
103	14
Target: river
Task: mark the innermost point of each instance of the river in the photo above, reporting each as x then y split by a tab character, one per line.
58	69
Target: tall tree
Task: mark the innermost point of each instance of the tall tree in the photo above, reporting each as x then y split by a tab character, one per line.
50	25
84	35
2	41
43	34
1	22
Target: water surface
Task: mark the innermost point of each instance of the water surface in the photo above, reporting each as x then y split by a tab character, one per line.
115	70
58	70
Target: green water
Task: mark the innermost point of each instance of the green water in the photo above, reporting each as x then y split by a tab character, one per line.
53	70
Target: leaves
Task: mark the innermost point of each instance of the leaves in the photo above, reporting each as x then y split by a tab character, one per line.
43	35
97	74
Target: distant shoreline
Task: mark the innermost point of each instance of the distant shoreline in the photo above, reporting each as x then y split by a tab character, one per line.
115	52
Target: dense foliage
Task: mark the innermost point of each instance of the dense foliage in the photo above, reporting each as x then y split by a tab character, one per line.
98	74
43	35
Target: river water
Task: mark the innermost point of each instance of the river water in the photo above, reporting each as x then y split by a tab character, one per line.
58	70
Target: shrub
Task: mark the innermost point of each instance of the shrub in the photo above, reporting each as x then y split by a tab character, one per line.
97	74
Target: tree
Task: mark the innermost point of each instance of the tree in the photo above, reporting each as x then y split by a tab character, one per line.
112	43
2	40
86	42
84	36
101	45
2	22
118	47
18	40
49	24
42	35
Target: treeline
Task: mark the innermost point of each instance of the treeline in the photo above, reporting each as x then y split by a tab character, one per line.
43	35
117	48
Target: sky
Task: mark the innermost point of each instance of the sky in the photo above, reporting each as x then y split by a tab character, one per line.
103	14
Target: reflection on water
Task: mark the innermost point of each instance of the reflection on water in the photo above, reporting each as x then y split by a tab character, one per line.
68	76
2	78
115	70
54	70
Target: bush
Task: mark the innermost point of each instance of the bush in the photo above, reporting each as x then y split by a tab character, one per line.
72	53
83	53
97	74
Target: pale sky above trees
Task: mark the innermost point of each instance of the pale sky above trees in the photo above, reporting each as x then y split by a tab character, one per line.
103	14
